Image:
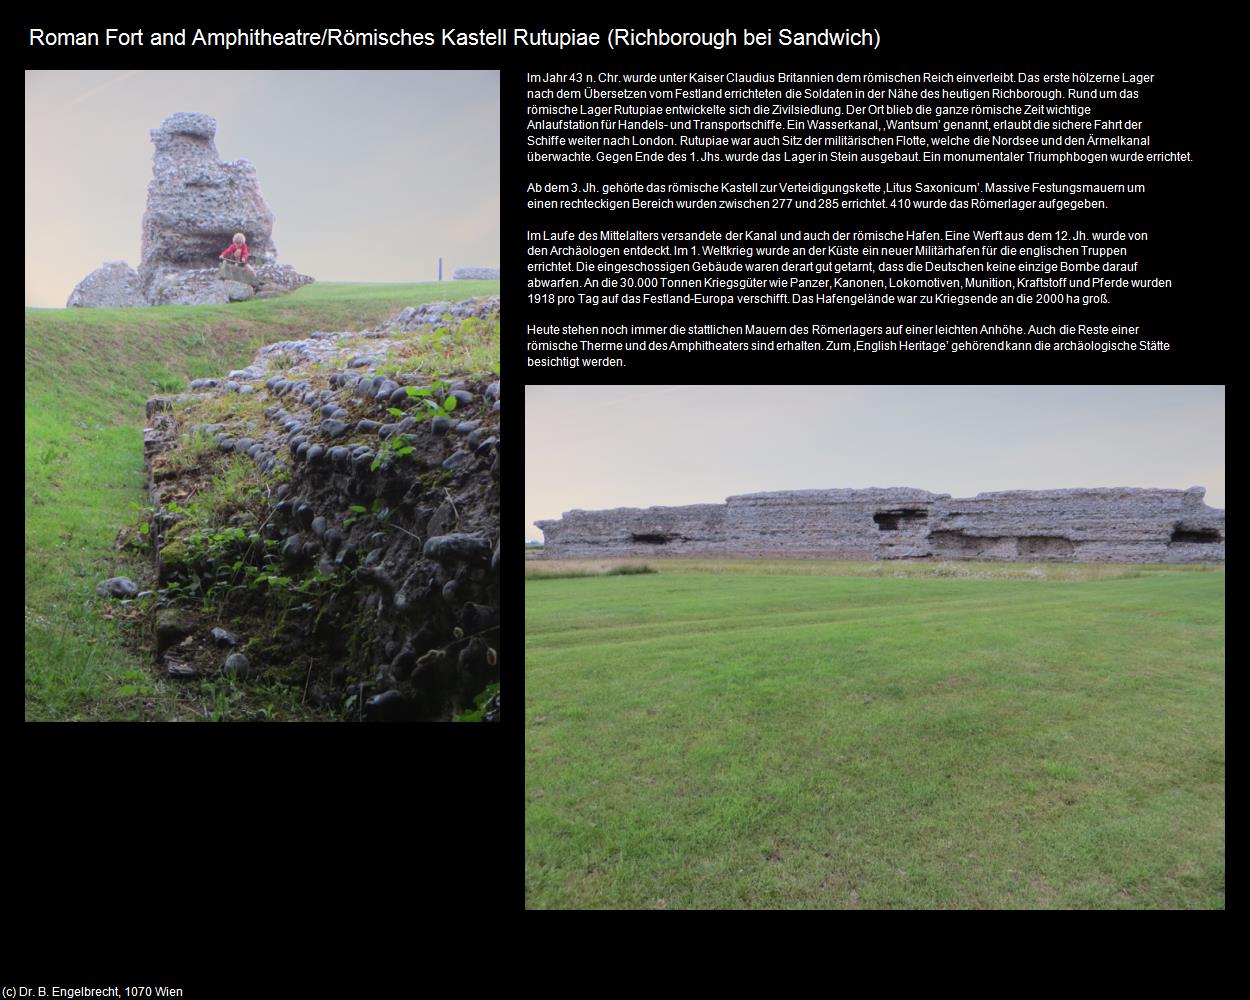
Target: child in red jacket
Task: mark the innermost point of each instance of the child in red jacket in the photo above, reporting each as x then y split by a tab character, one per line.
237	252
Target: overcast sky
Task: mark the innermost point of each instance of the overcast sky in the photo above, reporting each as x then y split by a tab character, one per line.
370	175
646	445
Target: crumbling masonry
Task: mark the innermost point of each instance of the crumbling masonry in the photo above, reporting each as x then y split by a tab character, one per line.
1117	524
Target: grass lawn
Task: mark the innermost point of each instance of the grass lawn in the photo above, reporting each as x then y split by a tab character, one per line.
88	372
947	735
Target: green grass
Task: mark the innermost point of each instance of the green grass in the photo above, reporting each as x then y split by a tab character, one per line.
88	372
856	740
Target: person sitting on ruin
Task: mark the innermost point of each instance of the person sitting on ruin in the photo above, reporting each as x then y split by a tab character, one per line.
236	252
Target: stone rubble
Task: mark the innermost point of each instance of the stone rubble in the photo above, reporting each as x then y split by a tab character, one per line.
117	586
204	286
110	286
1116	524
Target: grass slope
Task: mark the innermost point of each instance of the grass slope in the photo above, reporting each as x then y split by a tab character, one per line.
765	740
88	372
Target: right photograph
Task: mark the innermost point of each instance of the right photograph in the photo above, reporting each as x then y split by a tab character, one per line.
874	647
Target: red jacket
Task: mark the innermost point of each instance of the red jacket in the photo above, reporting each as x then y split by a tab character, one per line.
230	250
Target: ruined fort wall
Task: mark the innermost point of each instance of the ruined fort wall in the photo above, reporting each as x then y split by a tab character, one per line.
627	530
824	521
1117	524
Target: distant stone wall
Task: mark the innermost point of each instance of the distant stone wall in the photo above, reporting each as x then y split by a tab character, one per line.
1116	524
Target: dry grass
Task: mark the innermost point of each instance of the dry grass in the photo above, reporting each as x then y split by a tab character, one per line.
556	572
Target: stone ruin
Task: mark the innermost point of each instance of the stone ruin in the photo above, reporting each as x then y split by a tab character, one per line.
395	549
1116	524
196	203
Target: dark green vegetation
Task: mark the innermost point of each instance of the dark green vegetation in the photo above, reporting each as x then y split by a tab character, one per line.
88	372
218	569
1047	737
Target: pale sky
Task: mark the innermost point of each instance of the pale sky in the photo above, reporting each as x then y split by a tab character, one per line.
597	447
370	175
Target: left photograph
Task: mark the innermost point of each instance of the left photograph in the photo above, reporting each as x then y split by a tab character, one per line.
262	485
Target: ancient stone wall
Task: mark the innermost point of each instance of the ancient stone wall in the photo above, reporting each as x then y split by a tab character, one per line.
346	537
1117	524
196	203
